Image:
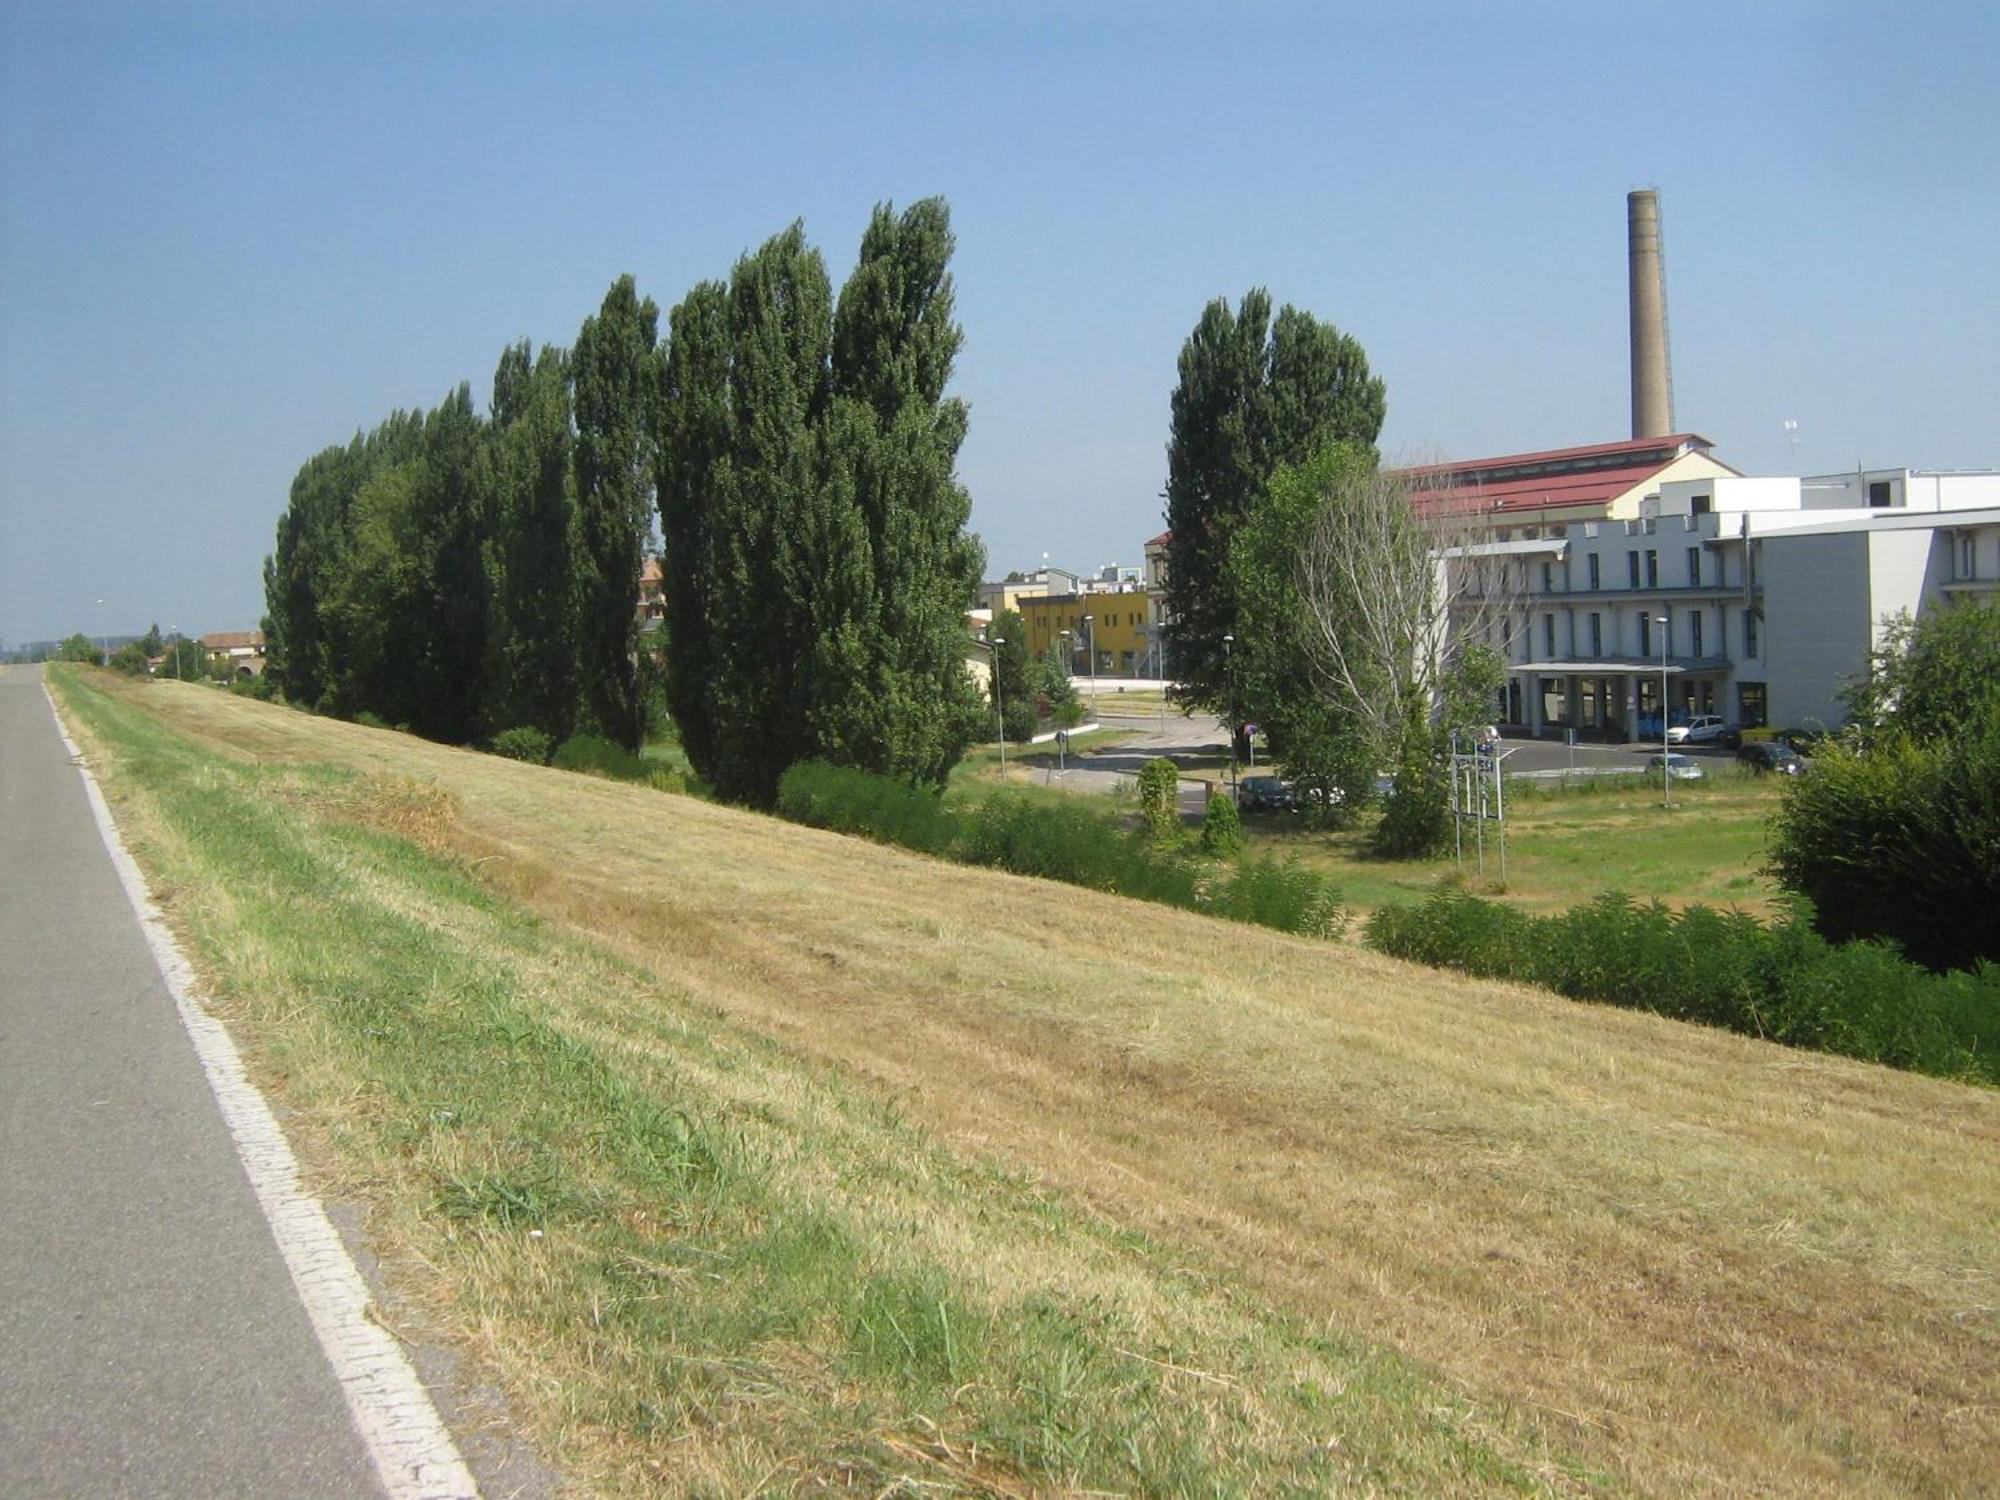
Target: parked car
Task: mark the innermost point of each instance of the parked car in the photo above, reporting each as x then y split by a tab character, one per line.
1702	729
1679	767
1266	794
1768	756
1804	741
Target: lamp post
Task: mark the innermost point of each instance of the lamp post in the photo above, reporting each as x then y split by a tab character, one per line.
1090	632
999	703
1666	745
1229	672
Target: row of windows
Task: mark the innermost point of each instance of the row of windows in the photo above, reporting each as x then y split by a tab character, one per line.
1589	633
1642	570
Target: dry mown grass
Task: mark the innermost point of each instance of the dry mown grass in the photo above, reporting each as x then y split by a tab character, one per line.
1700	1261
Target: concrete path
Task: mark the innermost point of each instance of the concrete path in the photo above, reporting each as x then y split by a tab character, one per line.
151	1342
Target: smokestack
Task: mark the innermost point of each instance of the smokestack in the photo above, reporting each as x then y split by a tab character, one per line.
1652	376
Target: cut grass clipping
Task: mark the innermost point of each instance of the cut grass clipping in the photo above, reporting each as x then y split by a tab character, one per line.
1236	1163
696	1263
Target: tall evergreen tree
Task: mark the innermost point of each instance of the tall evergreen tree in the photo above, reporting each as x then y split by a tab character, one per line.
817	565
615	379
531	558
1253	396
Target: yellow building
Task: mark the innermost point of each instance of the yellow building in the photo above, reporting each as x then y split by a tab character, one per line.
1119	624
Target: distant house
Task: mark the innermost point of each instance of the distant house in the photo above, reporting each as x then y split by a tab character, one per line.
652	596
240	652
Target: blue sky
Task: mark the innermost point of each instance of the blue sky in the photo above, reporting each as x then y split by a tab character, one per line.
231	234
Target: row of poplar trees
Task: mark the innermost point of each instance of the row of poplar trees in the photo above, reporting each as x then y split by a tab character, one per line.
466	575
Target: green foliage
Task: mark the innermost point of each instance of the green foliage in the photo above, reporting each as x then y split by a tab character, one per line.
1896	835
1253	396
79	647
185	660
152	643
1013	681
1722	969
525	742
1159	798
130	659
1057	838
615	378
1901	843
532	557
594	755
1325	749
1051	682
1221	829
818	565
1933	678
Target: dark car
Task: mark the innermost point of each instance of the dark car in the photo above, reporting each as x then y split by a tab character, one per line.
1768	756
1266	794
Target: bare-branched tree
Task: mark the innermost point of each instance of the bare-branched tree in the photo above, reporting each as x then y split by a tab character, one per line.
1403	597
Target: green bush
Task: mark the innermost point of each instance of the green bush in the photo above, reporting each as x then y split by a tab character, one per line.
1282	894
1901	844
525	742
596	756
130	659
1720	969
849	801
1221	829
1159	798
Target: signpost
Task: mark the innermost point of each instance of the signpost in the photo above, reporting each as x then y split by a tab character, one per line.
1478	794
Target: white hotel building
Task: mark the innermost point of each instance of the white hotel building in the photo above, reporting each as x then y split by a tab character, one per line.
1772	590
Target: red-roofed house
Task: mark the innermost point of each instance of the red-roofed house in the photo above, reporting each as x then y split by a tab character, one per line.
1597	482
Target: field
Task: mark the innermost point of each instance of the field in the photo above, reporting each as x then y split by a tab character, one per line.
746	1158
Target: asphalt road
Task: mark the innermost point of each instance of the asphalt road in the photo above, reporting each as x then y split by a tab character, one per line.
151	1343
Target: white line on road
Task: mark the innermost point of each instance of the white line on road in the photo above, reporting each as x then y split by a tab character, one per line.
413	1451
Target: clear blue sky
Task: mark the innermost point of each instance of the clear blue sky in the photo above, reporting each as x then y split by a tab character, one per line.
231	234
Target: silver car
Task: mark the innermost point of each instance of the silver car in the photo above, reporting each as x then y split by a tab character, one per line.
1680	767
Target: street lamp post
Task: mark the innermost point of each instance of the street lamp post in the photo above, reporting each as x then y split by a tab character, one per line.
1666	745
999	703
1090	633
1229	672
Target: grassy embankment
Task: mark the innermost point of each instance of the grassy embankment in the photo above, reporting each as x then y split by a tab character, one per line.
1156	1196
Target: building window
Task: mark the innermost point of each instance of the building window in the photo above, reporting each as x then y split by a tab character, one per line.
1702	505
1645	634
1749	632
1596	633
1548	578
1652	568
1968	557
1632	565
1694	637
1878	494
1694	567
1752	706
1595	581
1549	634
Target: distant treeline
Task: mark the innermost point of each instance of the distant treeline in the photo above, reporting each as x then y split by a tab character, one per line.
466	575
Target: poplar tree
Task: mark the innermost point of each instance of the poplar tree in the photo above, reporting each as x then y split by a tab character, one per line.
531	559
817	568
614	375
1253	396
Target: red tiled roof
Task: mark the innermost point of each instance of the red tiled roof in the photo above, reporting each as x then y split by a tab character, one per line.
233	640
1161	540
1592	475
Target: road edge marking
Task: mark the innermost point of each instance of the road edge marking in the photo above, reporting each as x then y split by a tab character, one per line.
413	1451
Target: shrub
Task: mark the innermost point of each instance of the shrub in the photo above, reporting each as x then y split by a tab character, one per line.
845	800
1281	894
1723	969
130	659
1159	798
594	755
1901	844
1221	829
525	742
